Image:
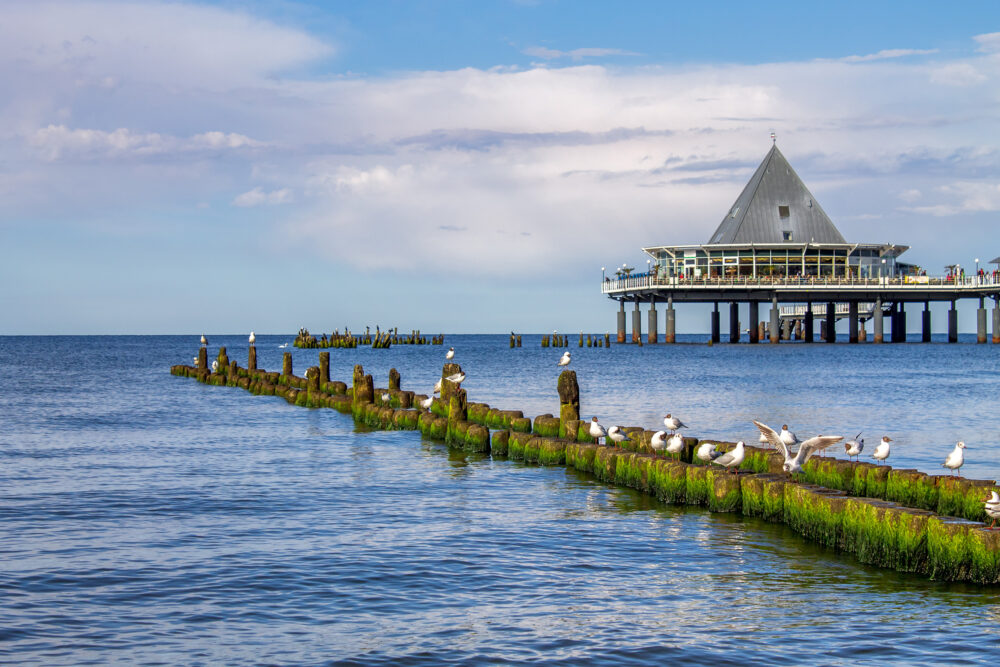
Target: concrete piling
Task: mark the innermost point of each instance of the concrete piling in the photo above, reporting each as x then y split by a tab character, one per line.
621	321
715	335
996	322
636	324
981	323
852	322
753	319
652	326
670	335
953	324
810	323
734	322
831	323
877	332
773	330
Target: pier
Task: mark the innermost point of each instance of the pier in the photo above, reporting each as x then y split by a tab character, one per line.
900	519
777	249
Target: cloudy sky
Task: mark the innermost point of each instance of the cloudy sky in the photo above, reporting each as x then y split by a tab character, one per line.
171	167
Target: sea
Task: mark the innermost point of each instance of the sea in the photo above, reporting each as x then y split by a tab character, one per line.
146	519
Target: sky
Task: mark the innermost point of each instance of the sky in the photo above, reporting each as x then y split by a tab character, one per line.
463	167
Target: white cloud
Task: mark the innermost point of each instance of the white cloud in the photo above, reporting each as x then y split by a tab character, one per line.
258	197
575	54
911	195
56	142
957	74
887	54
963	198
988	42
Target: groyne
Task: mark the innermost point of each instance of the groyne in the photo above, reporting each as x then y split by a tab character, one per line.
900	519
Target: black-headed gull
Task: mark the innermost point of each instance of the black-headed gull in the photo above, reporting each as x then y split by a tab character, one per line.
457	378
673	423
707	452
597	431
732	459
215	365
794	464
450	354
675	444
659	441
854	447
787	437
427	403
956	458
881	452
617	435
992	507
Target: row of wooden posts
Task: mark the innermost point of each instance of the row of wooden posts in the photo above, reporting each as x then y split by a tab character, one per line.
901	519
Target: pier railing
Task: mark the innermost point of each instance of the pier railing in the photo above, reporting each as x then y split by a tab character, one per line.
916	283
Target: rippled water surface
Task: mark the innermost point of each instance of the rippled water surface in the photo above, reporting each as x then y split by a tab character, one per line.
147	519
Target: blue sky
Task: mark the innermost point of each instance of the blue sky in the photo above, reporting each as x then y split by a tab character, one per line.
458	166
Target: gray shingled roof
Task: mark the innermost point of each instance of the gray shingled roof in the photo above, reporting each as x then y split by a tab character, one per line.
776	207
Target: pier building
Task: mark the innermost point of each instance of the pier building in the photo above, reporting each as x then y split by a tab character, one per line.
777	246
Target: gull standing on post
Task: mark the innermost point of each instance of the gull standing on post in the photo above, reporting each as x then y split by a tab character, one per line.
794	464
617	435
215	365
253	339
992	507
854	447
597	431
204	341
956	458
427	402
658	442
437	387
732	459
673	423
707	452
675	444
450	354
787	437
881	452
564	360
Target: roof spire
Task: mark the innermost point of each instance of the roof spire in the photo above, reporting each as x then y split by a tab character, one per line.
774	138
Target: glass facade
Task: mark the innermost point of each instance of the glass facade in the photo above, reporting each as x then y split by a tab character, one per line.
784	260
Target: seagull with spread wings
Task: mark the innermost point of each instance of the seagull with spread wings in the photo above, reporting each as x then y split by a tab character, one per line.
794	463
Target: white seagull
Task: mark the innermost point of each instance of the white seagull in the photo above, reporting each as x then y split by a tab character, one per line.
283	346
658	442
881	452
597	431
854	447
673	423
215	365
675	444
956	458
787	437
707	452
386	397
563	360
427	403
437	387
253	339
204	341
457	378
617	435
196	361
450	354
992	507
794	464
732	459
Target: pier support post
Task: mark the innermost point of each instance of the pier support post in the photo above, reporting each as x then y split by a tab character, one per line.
852	318
925	323
734	322
809	323
831	322
996	321
753	319
670	336
774	333
621	321
797	331
715	324
981	323
901	317
862	334
324	369
877	330
252	358
636	324
953	324
653	334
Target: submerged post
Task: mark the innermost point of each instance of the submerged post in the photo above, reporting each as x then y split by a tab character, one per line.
953	324
852	318
925	323
621	321
877	331
753	318
569	401
734	322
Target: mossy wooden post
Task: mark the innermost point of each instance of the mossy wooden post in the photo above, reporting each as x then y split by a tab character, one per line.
364	386
393	379
252	359
312	380
448	388
458	411
286	363
223	360
569	401
324	367
202	358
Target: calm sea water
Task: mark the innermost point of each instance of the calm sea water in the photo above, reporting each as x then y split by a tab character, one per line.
146	519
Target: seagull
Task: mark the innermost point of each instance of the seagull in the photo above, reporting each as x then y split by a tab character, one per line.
437	387
732	459
787	436
457	378
597	431
673	423
992	507
564	360
763	439
450	354
794	464
707	452
386	397
283	346
253	339
427	403
618	435
675	444
204	341
196	361
956	458
881	452
658	443
215	365
854	447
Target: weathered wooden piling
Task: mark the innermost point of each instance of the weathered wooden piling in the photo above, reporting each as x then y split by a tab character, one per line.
569	400
324	366
393	379
286	363
202	358
252	358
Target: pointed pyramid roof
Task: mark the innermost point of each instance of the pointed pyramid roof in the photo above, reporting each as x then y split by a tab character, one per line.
776	207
